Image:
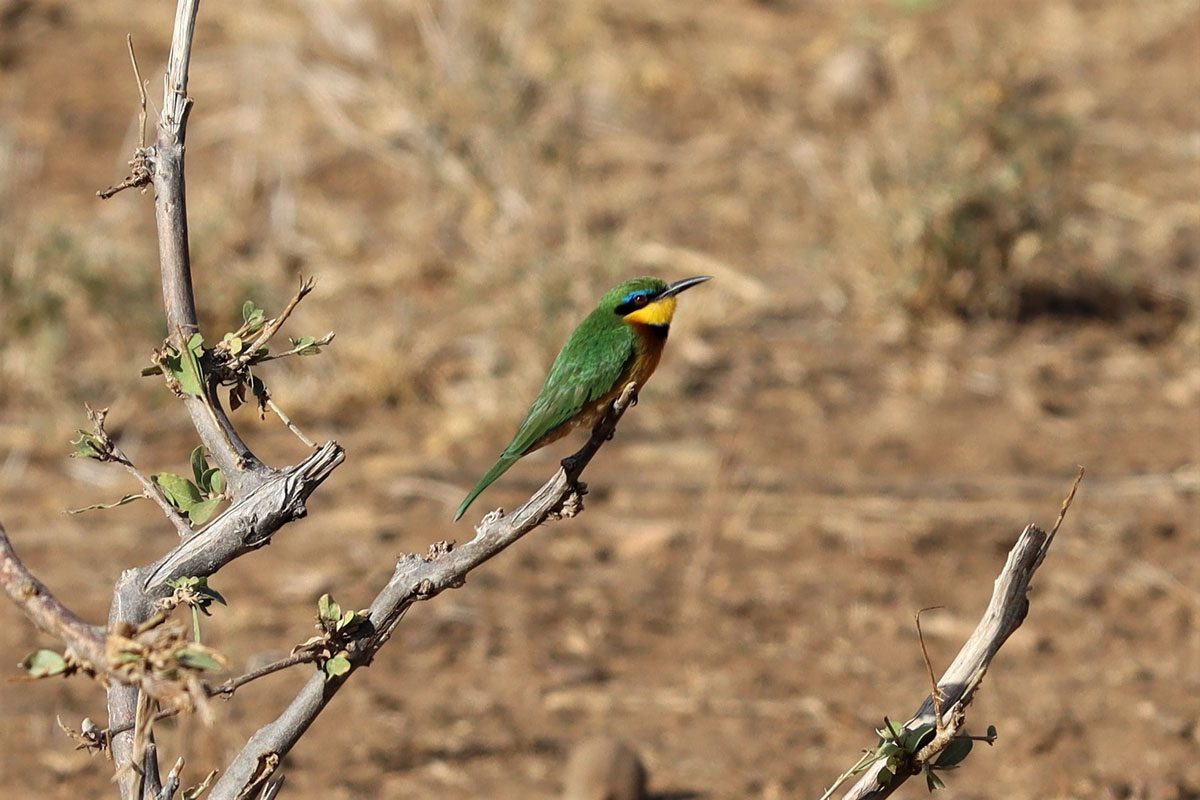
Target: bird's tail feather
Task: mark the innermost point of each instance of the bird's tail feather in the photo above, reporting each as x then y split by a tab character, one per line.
498	469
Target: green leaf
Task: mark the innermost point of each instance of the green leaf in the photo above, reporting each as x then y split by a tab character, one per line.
305	346
129	498
199	657
338	665
916	738
214	480
190	376
933	781
182	493
351	620
328	609
234	343
884	777
211	593
199	464
253	316
955	752
887	749
44	664
201	512
88	445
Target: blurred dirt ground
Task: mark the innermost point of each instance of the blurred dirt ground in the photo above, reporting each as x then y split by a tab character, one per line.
957	253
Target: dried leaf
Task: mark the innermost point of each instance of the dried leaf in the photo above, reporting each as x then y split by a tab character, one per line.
129	498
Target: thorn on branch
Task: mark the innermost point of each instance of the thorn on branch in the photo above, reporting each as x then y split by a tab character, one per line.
291	426
935	693
139	167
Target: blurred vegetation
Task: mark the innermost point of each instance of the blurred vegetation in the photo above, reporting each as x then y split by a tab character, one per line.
465	179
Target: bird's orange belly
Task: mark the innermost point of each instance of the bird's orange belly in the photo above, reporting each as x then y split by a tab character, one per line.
644	362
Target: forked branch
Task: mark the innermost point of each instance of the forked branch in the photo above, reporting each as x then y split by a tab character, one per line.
417	578
264	499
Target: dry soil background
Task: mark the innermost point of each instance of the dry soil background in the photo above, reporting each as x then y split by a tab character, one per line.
957	252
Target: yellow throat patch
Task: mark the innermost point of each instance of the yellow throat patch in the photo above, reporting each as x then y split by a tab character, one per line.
659	312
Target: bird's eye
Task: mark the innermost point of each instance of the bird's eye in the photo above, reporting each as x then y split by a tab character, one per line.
640	300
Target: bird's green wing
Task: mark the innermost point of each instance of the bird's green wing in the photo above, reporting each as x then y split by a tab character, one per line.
584	372
588	366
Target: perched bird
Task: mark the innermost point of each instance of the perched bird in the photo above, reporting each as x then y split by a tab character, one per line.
619	342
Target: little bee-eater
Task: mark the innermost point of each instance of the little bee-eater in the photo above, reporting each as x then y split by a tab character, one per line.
619	342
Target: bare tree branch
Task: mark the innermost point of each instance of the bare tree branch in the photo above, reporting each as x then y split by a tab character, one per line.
264	499
1005	612
50	616
171	786
417	578
231	454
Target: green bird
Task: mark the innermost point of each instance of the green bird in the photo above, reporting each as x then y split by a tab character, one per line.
621	341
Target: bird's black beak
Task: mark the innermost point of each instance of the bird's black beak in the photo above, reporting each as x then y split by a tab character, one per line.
678	286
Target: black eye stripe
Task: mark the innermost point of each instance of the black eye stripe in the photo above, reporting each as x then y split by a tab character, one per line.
635	300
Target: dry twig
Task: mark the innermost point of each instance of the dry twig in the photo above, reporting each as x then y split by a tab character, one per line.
139	167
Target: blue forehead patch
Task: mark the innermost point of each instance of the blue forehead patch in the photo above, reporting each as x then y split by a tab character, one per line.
629	298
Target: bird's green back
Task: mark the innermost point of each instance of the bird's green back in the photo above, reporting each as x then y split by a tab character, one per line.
587	367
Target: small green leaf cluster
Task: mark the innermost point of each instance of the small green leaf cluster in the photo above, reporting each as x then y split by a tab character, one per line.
234	362
90	445
182	366
196	592
199	498
898	748
305	346
336	625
